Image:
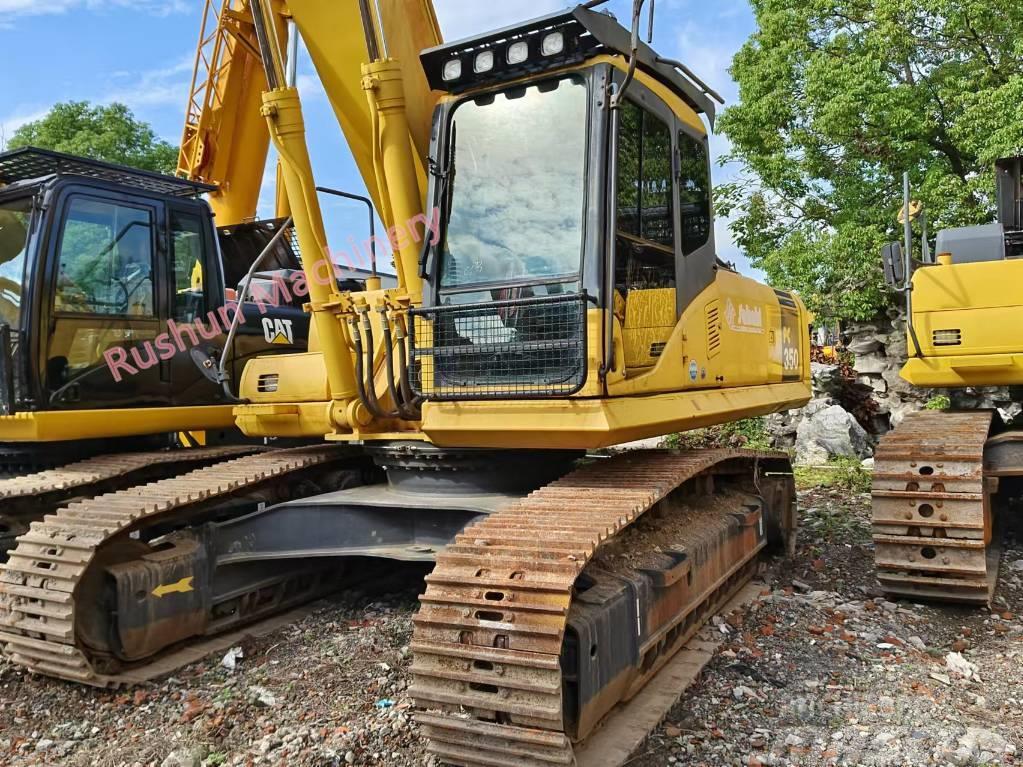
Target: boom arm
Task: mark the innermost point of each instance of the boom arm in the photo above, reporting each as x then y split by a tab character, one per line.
339	48
225	141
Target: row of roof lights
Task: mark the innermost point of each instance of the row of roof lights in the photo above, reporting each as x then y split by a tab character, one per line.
551	45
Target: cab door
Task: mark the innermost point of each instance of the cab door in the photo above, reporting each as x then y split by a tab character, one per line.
105	310
645	241
196	301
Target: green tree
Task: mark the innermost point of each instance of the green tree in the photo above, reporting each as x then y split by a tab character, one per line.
837	99
109	133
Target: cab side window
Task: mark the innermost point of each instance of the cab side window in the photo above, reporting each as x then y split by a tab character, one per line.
693	192
187	251
106	259
646	231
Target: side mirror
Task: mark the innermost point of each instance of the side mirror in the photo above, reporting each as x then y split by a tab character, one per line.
894	265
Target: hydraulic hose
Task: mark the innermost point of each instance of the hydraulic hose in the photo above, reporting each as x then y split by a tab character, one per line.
359	381
392	389
412	401
368	369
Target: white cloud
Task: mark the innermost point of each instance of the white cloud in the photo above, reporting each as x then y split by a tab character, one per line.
21	115
163	86
710	62
50	7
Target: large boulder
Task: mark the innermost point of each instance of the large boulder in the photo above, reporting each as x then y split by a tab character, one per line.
873	363
864	345
826	379
781	428
829	431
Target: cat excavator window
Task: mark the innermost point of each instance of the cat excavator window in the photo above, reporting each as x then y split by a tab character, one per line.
187	247
14	226
106	260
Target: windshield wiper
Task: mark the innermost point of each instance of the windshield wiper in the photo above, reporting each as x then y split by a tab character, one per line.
445	195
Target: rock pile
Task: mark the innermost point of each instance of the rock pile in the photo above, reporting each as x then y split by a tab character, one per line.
880	350
858	401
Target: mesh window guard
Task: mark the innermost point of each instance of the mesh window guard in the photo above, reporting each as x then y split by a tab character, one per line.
525	348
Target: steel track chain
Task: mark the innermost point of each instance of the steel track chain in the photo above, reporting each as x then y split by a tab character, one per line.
527	556
92	470
29	497
38	583
932	524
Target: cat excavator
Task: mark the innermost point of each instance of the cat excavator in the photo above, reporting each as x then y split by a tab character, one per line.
546	190
112	278
944	480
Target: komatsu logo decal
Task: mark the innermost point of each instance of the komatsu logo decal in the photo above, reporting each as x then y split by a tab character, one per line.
745	319
277	331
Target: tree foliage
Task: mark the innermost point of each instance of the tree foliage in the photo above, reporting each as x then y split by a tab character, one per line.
837	99
109	133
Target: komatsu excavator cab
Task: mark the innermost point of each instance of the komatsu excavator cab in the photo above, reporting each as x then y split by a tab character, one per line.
109	277
965	306
529	157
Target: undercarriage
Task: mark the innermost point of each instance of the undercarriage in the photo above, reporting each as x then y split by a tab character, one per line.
942	483
563	582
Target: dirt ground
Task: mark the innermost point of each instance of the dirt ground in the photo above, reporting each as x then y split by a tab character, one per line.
819	671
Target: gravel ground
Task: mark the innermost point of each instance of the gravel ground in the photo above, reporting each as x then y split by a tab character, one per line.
819	671
823	671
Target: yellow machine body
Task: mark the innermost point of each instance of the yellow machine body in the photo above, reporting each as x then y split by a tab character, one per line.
64	426
969	322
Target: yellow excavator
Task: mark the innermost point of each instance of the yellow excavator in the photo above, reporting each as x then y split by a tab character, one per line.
941	478
546	190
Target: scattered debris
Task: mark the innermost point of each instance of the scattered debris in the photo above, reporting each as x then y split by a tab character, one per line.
866	679
959	666
230	660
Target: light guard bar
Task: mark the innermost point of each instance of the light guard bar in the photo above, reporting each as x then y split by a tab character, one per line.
587	33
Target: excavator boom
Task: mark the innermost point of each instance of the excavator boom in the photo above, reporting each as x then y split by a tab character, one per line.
225	140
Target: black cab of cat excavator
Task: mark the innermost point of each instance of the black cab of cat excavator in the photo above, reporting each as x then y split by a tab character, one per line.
110	276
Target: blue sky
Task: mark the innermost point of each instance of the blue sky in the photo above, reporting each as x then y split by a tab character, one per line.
140	52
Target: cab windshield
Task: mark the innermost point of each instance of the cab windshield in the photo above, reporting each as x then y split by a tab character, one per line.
517	184
14	228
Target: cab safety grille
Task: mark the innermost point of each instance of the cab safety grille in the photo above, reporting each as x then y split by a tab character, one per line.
520	348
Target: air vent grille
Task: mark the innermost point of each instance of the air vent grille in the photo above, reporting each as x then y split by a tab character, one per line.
713	329
948	337
268	383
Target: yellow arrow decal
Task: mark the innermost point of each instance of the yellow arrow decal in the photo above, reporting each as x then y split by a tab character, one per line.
181	587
